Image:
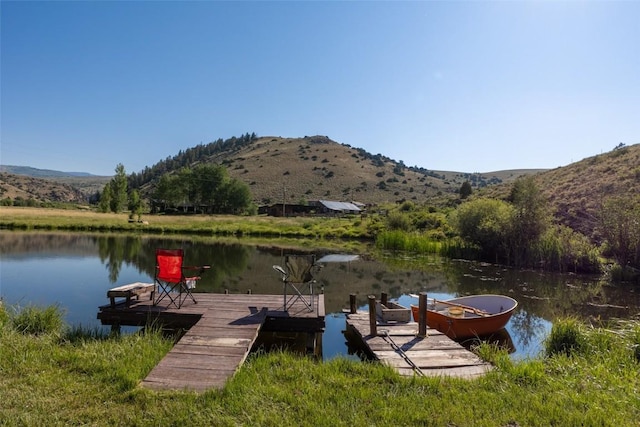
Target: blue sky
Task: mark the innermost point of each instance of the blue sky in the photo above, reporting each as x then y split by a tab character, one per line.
464	86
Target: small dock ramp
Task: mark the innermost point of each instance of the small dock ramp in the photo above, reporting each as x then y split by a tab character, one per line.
399	345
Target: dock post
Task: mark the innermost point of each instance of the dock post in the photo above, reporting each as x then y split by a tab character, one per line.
422	314
384	298
352	304
373	325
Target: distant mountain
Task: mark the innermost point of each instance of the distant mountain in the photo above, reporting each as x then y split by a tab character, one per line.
40	173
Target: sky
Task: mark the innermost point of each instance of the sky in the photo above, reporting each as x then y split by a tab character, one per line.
469	86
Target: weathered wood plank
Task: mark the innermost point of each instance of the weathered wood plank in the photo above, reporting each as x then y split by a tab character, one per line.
222	330
433	355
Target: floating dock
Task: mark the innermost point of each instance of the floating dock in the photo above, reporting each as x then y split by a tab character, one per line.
222	329
399	345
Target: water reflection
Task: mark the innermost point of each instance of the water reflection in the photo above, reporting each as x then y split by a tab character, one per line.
75	271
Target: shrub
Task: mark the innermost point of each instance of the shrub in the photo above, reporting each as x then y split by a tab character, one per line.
39	321
566	338
398	221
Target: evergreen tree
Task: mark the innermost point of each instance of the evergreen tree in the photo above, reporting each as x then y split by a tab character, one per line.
105	199
135	205
119	189
465	190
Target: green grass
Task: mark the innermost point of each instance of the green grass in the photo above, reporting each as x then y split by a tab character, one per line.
24	218
71	377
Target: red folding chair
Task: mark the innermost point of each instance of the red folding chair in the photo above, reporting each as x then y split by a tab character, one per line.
171	280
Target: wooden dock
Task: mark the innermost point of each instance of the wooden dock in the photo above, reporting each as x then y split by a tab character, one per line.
222	329
399	345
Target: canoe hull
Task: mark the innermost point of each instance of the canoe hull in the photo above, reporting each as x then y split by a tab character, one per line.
469	324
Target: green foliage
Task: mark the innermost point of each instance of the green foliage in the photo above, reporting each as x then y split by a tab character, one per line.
566	337
38	321
485	223
205	188
529	220
562	249
465	190
118	186
620	226
398	221
135	204
4	316
521	233
104	205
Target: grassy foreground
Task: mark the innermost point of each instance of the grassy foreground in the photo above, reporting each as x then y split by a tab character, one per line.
49	376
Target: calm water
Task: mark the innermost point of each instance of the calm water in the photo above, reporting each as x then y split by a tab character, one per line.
76	270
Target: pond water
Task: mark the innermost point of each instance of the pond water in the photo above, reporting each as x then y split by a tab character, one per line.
75	270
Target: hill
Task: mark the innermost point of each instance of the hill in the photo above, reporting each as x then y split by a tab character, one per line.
297	170
576	192
38	190
40	173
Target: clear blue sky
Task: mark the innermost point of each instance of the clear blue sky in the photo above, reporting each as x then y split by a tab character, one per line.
465	86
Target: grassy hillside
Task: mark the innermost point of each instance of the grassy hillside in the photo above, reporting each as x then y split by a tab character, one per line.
300	169
279	169
576	192
38	189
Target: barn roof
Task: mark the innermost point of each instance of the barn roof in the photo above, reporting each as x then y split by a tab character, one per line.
339	206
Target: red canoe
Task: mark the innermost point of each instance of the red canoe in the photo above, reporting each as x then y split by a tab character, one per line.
471	316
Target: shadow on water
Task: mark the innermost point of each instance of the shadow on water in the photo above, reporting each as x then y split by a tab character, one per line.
75	271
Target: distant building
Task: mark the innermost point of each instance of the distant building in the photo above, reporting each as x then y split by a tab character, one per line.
316	207
329	207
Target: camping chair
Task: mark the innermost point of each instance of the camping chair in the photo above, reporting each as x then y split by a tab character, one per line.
298	276
170	278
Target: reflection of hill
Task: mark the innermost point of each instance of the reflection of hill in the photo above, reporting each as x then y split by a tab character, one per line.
16	244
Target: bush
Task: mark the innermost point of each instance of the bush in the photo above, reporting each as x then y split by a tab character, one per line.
566	338
398	221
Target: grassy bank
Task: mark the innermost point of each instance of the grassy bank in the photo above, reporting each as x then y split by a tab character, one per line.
25	218
49	376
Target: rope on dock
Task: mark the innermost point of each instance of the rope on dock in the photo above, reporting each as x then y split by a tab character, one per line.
385	335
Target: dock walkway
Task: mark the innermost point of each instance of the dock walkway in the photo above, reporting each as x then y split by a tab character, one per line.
222	329
398	345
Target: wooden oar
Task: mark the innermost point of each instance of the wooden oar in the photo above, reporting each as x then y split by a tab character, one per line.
454	304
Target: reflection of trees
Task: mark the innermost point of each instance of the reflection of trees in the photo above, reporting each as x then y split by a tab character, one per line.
116	250
224	259
526	327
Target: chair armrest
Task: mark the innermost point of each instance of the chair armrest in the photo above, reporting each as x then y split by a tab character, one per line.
281	271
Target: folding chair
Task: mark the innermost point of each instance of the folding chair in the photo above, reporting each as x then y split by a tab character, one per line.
171	280
298	276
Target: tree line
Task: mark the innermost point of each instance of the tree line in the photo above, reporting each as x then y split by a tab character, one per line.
188	157
205	188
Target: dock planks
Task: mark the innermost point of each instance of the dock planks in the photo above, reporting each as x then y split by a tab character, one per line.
399	346
221	331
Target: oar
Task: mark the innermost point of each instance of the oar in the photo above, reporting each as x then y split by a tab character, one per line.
454	304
